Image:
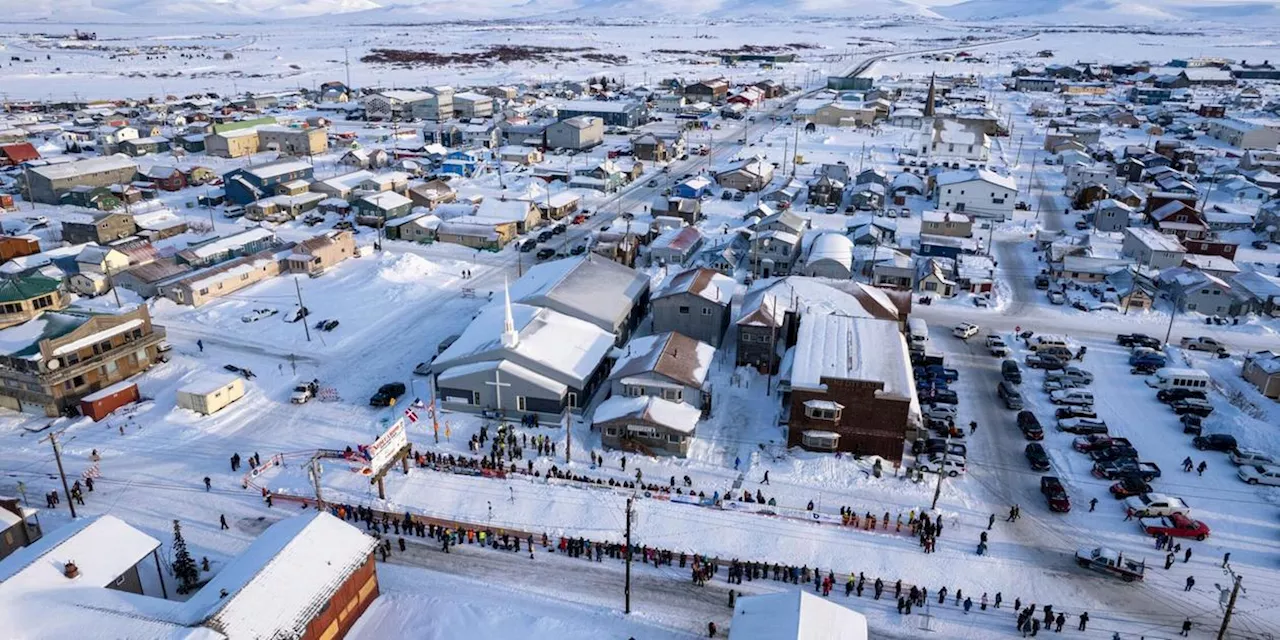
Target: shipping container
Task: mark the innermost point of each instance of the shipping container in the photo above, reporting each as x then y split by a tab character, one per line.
100	404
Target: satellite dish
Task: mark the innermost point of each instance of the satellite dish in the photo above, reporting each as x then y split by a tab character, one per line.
53	364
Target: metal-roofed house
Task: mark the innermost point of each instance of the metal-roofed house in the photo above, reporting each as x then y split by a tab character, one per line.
695	303
1262	370
47	184
977	192
23	298
247	184
830	256
609	295
1152	249
647	424
676	246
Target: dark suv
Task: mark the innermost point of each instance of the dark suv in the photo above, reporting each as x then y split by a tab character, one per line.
387	395
1214	442
1193	406
1030	426
1168	396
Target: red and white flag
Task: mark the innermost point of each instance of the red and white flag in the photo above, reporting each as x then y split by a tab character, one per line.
411	414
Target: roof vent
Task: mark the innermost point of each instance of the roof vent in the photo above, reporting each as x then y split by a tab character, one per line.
70	570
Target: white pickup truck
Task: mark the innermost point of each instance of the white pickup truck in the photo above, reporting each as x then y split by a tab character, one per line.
1150	505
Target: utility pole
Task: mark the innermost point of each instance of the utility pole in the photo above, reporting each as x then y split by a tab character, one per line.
568	434
942	473
57	455
627	589
1172	314
315	481
1231	606
112	284
302	310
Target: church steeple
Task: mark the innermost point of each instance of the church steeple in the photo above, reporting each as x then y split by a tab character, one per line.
510	337
929	100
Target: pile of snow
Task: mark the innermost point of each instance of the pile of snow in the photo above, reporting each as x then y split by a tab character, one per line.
406	268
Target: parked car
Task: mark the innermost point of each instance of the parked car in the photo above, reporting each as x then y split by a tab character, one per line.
1145	368
545	252
1037	457
1076	374
258	314
1041	361
965	330
1192	424
1042	281
1113	453
940	396
1116	469
1192	406
304	392
1177	525
939	445
1259	474
1072	396
1097	441
1055	494
1203	343
1137	339
1058	384
387	395
1147	358
1129	486
578	250
1030	426
1155	504
997	346
1075	411
1169	396
1252	457
528	245
1214	442
941	463
943	412
1082	426
939	371
1056	298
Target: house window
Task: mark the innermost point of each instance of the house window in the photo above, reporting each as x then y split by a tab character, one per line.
475	398
633	391
684	310
706	311
823	410
611	431
573	399
520	406
822	440
674	438
675	395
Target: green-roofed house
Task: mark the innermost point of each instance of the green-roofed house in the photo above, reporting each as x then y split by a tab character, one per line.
53	361
24	298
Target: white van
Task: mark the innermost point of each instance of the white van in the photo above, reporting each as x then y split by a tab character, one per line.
1045	341
918	331
1174	378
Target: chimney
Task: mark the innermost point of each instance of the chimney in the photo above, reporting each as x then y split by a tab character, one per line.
70	570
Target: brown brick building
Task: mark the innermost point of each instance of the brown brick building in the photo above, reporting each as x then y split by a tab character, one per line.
851	387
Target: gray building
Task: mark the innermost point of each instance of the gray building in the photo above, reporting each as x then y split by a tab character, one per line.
609	295
19	526
47	184
1112	216
582	132
517	359
1152	249
437	106
676	246
667	365
646	424
102	228
695	303
614	113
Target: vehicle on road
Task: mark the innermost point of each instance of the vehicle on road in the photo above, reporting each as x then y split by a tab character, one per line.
1010	372
1214	442
651	183
1110	562
1202	343
527	245
1193	406
1037	457
1177	525
1075	411
1095	442
965	330
578	250
1042	281
1010	394
1082	426
1030	426
387	395
1259	474
1137	339
951	465
1129	486
996	345
1056	298
727	194
1119	468
304	392
1252	457
1047	362
1150	505
1055	494
545	253
544	236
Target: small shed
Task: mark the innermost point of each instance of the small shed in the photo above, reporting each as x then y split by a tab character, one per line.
212	394
103	402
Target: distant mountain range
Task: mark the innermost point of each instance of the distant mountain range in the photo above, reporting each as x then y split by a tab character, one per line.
380	11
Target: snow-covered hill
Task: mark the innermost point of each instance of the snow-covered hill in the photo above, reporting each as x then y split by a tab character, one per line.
1109	11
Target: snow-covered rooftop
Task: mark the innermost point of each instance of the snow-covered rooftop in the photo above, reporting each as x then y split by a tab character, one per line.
673	355
82	167
846	348
795	615
676	416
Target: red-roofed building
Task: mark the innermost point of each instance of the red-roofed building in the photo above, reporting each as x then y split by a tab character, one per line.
18	153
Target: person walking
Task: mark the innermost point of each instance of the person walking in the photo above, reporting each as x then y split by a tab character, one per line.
1200	469
207	483
1187	464
222	521
968	604
1062	619
711	629
200	345
1084	620
1226	558
766	477
999	599
984	601
1093	503
1168	561
1186	627
1191	582
991	522
1185	558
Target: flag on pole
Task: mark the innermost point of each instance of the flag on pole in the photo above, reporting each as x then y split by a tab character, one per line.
411	414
